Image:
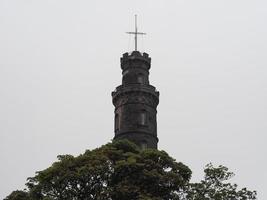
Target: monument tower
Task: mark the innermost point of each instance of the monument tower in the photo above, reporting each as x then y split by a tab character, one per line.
135	100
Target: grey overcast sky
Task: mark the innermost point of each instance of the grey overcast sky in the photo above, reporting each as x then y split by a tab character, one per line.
59	62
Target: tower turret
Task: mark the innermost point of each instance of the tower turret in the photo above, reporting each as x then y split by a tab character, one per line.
136	101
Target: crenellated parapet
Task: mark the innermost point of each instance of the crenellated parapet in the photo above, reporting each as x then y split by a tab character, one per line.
135	59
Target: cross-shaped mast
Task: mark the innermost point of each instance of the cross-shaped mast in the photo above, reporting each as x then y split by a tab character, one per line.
136	33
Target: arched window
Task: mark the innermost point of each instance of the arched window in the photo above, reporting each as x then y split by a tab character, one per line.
143	118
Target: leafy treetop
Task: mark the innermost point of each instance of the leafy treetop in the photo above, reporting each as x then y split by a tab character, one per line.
121	171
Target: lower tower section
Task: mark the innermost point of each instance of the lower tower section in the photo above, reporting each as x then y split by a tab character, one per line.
136	102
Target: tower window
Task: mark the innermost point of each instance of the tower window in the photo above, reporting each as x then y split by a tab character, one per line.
143	118
143	145
140	78
117	125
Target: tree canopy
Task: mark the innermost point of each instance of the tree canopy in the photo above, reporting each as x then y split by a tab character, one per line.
122	171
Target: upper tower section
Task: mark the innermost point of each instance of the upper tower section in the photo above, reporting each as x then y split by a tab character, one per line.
135	68
135	102
141	60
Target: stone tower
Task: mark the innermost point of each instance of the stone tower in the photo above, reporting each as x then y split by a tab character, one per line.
135	102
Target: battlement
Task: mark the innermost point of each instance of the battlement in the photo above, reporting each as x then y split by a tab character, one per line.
135	56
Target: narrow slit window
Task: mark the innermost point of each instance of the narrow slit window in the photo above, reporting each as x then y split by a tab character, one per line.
117	125
143	120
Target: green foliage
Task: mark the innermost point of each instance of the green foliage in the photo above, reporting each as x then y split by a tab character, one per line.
18	195
215	186
118	170
121	171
